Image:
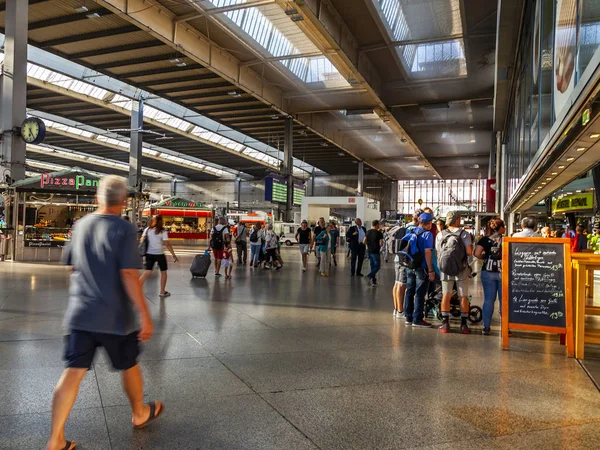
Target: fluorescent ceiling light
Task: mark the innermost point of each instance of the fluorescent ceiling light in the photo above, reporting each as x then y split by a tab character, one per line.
561	167
81	9
581	149
93	15
595	136
570	159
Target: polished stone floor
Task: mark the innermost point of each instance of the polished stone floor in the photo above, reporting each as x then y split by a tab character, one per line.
286	360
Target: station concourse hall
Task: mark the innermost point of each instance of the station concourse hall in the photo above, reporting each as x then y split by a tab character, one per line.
300	224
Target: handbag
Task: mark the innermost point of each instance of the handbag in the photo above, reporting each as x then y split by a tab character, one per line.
143	246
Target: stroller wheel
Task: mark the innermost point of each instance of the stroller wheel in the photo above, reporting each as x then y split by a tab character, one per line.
475	314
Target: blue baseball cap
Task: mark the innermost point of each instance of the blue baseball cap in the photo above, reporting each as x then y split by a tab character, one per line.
425	217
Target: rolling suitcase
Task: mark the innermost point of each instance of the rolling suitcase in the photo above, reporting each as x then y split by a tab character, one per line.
200	265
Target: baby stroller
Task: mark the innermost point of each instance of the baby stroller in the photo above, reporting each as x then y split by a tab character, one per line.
433	304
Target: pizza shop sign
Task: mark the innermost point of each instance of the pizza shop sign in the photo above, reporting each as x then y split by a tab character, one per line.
76	182
183	204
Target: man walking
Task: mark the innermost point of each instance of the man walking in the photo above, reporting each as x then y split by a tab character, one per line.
356	238
454	246
374	242
304	239
219	240
528	228
418	278
241	243
319	228
105	291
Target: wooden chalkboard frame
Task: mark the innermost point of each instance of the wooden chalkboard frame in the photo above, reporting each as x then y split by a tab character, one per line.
506	325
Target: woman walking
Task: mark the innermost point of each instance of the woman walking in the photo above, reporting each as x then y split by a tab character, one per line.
157	238
326	249
489	248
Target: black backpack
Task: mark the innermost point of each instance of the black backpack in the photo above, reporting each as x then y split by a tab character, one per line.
216	240
452	255
254	236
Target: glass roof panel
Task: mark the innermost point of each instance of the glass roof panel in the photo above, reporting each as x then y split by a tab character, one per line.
275	32
420	19
434	60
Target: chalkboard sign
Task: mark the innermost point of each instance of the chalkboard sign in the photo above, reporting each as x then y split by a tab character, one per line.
536	292
536	287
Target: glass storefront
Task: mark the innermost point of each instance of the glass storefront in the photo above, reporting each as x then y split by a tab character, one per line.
441	195
558	43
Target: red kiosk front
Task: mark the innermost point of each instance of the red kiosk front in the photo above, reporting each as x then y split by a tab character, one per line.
183	219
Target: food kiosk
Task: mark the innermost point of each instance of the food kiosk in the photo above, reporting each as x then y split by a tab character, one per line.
49	206
183	219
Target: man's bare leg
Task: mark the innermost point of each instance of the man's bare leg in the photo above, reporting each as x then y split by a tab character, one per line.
133	383
145	276
63	400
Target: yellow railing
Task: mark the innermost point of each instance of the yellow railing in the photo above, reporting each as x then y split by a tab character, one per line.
584	265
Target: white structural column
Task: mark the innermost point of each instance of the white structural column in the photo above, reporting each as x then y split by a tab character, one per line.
14	89
135	144
361	171
394	198
288	150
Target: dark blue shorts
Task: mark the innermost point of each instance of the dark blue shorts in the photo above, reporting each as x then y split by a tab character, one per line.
80	348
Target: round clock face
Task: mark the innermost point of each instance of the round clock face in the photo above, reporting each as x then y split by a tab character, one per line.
33	130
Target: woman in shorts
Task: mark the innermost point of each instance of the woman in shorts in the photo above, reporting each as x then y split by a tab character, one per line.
157	238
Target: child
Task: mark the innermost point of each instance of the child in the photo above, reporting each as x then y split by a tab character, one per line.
227	263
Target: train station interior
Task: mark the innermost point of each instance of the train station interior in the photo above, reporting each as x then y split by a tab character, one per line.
254	116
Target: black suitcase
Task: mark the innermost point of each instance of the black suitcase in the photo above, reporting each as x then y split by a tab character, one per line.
200	265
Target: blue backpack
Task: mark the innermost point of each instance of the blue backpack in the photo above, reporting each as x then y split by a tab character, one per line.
410	255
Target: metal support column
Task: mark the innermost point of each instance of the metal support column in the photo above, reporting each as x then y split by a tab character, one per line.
502	184
135	145
288	152
14	90
239	193
394	199
361	173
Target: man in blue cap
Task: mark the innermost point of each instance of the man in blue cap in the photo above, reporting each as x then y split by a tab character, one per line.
417	279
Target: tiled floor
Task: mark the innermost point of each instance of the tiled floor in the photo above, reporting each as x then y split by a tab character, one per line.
286	360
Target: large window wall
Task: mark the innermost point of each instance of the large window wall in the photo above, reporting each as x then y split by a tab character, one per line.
441	195
559	40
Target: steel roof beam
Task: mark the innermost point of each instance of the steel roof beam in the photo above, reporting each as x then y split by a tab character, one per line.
125	112
135	61
160	71
61	20
117	49
111	84
224	9
88	36
204	76
101	132
31	3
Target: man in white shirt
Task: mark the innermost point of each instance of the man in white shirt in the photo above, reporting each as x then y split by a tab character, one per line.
241	243
528	227
219	241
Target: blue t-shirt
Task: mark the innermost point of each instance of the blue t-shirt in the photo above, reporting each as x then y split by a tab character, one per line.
425	242
101	246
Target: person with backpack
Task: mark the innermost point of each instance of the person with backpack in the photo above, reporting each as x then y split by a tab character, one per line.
454	246
240	243
395	235
319	228
271	246
219	240
326	247
416	256
489	249
257	236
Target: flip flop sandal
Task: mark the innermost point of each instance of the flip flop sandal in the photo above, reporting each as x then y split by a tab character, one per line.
70	445
153	415
166	294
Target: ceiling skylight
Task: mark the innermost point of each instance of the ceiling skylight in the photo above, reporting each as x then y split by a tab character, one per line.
408	21
278	35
